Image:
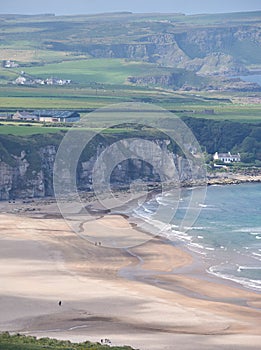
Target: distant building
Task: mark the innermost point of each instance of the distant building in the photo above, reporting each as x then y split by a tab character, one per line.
20	81
49	116
227	157
25	79
52	116
10	64
25	116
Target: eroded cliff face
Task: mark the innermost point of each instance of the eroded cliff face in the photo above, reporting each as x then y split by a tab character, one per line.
20	181
210	50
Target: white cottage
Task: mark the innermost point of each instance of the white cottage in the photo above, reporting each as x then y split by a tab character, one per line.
227	157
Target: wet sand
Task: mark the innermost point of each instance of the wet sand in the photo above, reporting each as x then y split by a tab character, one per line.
141	296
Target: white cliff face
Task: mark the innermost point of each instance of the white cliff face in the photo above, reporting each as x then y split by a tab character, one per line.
6	180
18	181
131	160
149	161
22	163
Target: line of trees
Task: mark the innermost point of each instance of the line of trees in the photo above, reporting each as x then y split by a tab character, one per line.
224	136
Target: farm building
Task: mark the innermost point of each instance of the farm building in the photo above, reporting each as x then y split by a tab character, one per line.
49	116
57	116
24	116
227	157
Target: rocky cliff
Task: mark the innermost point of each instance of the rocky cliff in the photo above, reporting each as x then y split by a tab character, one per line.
22	179
207	50
186	81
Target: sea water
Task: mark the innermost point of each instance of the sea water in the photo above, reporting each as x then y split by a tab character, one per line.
226	234
254	78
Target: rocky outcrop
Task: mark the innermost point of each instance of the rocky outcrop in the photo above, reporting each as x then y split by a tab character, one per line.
215	63
200	42
186	82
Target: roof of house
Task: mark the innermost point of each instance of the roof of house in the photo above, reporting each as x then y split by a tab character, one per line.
54	114
25	114
227	155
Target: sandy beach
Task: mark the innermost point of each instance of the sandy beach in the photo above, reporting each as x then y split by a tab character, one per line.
152	297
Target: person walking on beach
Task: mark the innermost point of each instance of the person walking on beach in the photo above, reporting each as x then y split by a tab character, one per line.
60	303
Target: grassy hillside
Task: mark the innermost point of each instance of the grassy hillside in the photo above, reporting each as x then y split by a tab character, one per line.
49	39
98	53
20	342
113	71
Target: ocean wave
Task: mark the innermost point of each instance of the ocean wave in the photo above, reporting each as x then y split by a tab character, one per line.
197	248
203	205
197	228
159	225
245	282
256	256
250	230
167	202
168	194
242	268
197	245
147	210
169	231
164	203
181	235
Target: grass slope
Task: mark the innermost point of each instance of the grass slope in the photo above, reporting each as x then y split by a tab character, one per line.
111	71
20	342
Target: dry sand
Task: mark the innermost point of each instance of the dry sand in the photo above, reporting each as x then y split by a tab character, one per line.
133	296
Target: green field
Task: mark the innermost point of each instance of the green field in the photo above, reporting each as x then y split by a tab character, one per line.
81	99
110	71
99	53
27	130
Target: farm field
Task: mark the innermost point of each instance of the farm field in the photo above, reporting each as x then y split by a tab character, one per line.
93	97
20	130
112	71
100	53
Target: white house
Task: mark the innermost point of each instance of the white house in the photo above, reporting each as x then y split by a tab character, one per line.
227	157
25	116
10	64
20	81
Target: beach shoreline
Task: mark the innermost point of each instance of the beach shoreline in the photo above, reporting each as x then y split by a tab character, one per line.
149	296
